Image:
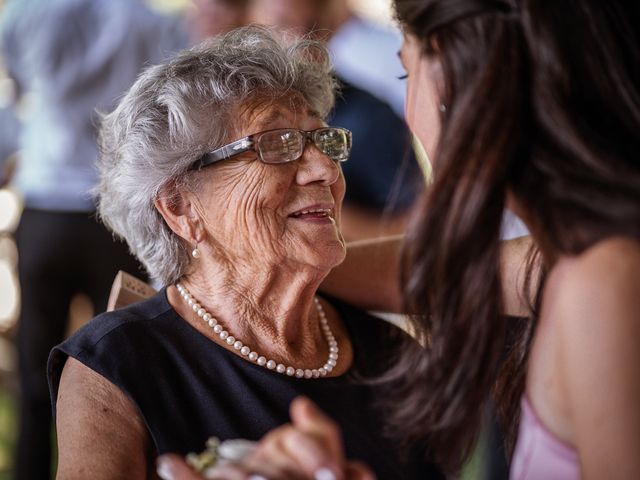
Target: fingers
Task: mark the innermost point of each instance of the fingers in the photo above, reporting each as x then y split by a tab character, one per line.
311	448
230	472
279	456
359	471
173	467
310	420
310	455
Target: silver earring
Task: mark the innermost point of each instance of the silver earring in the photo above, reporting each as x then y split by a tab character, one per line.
195	253
443	107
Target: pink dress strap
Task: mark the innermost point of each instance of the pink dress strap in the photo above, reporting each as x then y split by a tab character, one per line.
539	454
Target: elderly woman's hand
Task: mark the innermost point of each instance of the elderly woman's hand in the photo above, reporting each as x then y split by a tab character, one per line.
309	448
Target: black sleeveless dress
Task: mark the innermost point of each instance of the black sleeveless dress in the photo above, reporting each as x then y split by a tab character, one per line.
188	388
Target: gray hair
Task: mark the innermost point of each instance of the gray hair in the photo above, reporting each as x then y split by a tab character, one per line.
177	111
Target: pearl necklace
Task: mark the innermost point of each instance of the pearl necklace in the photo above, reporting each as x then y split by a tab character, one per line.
261	360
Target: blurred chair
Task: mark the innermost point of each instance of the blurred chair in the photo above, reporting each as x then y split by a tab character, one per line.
127	289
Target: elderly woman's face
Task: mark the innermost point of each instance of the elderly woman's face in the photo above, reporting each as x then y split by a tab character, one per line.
268	214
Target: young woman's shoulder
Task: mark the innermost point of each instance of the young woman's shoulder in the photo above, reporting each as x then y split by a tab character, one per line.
596	300
606	274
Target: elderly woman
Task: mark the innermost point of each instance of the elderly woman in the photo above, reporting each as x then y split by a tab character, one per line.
218	170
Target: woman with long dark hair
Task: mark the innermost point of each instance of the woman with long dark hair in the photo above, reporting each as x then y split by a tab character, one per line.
532	105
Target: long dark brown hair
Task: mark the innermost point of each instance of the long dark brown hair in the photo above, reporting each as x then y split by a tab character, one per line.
542	99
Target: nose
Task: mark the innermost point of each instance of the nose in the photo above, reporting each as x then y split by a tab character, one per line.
314	166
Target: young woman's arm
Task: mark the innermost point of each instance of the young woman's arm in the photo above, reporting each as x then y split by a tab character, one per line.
370	275
100	432
599	358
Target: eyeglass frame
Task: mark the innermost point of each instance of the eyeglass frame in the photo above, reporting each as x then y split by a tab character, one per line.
248	143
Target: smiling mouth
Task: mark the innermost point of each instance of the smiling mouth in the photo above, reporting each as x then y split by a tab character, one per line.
315	213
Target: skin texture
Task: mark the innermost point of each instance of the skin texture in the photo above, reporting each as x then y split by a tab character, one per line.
267	264
583	379
422	107
100	433
258	273
320	19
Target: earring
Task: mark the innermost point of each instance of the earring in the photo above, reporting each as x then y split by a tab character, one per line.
195	253
443	107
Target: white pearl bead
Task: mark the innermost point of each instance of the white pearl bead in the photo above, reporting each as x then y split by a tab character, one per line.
255	356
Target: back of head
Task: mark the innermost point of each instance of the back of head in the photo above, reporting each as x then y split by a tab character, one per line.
543	101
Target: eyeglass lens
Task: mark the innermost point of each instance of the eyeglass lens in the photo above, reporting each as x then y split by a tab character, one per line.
280	146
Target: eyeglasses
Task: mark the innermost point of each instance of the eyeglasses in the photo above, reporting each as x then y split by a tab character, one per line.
284	145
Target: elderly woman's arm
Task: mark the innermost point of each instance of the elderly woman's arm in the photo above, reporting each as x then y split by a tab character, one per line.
100	432
370	275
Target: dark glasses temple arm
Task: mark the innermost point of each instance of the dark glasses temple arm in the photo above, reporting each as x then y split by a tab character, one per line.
227	151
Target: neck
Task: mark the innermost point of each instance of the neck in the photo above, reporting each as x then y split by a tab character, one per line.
270	308
549	254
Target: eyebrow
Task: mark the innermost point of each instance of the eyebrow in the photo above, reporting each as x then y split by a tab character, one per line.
276	114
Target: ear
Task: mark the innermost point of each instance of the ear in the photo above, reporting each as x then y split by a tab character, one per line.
178	208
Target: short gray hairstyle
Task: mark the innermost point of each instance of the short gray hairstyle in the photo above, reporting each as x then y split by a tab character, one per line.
177	111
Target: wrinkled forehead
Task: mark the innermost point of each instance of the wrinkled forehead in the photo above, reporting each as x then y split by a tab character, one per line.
265	114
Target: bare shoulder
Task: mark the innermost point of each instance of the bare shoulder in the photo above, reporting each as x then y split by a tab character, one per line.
608	271
595	297
99	428
594	305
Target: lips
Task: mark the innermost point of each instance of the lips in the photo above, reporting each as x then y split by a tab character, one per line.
313	212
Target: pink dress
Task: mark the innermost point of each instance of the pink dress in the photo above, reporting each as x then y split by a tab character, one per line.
539	454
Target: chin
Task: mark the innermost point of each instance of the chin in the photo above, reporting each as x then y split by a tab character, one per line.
329	256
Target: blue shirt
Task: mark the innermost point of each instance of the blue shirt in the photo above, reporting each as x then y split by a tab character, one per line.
70	59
